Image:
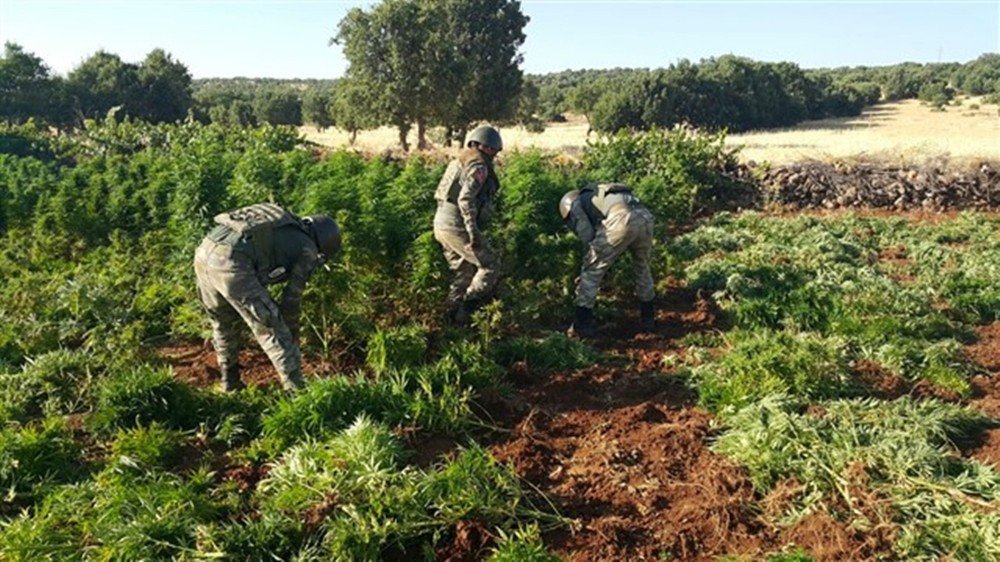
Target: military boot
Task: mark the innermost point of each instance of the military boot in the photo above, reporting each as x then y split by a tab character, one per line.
231	379
463	315
583	323
647	317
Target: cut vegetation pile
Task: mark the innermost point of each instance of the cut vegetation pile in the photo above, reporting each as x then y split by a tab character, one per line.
931	187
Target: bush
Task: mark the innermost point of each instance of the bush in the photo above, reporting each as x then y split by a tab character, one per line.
32	459
140	396
555	351
759	364
397	348
148	447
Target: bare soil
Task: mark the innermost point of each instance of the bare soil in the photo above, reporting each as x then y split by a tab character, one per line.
623	450
985	352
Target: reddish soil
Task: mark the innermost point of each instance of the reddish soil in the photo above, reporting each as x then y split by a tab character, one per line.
985	352
468	543
622	450
196	364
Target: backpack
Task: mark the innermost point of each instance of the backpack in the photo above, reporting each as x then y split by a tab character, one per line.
257	224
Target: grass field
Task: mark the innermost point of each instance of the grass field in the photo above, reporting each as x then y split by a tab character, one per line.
907	130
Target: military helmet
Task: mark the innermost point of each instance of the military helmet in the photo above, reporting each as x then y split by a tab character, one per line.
566	203
325	232
486	136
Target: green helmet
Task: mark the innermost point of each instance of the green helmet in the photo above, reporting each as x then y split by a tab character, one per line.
566	203
486	136
325	233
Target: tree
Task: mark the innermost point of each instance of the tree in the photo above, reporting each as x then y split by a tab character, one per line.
277	106
479	43
165	85
348	111
316	107
26	89
102	82
447	62
385	52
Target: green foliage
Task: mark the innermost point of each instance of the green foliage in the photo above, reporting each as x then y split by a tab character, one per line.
154	446
140	396
54	383
674	172
116	516
760	363
900	449
522	545
553	352
397	348
271	537
34	458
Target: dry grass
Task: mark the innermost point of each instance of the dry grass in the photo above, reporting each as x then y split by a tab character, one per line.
906	131
903	131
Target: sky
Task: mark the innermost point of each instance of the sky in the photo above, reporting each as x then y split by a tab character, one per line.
290	38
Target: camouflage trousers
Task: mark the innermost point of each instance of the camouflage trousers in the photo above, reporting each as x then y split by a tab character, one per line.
476	272
232	295
625	229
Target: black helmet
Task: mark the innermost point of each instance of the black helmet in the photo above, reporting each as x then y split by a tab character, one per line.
486	136
566	203
325	233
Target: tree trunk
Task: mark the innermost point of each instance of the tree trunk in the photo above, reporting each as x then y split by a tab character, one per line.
403	130
422	143
354	136
447	136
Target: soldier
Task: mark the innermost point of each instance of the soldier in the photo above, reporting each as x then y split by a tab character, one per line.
250	248
465	199
609	219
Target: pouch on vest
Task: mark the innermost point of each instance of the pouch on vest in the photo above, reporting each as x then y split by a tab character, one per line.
257	224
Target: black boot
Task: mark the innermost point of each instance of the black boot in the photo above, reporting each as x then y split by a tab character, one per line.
647	317
231	379
583	323
463	316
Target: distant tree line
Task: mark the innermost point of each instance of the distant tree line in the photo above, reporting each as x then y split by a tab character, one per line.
157	90
440	77
739	93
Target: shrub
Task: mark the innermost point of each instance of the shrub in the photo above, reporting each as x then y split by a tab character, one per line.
397	348
522	545
555	351
32	459
140	396
758	364
152	447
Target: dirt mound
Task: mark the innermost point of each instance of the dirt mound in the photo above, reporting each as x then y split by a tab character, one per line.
985	352
625	454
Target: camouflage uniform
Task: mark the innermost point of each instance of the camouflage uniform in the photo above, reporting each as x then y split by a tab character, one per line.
610	220
232	271
465	198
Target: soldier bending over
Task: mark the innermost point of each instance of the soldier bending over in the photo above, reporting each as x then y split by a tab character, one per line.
250	248
609	219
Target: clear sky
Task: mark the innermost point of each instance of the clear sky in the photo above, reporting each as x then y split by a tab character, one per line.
289	38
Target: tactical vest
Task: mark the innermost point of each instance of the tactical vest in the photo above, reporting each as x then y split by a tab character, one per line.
451	182
256	224
598	200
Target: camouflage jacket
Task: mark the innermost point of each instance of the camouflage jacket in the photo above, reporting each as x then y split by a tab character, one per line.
466	194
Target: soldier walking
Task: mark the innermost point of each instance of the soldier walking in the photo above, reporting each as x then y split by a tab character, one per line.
609	219
248	249
466	199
